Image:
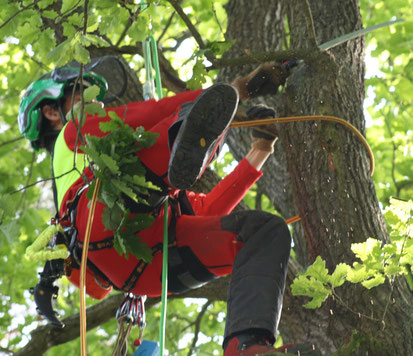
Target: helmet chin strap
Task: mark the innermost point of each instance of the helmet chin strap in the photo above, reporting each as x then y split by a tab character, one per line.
62	116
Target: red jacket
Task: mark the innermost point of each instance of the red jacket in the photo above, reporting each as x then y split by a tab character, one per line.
154	116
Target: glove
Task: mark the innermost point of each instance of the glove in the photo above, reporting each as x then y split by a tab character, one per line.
265	79
263	137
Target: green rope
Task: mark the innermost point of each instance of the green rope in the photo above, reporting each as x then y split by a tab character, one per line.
148	86
164	280
156	66
165	219
149	46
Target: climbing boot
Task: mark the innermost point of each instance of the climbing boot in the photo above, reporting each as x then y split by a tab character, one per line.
251	345
203	125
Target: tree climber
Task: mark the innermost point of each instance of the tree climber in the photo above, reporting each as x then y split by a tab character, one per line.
209	240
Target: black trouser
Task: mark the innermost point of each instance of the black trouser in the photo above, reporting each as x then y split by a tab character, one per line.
258	279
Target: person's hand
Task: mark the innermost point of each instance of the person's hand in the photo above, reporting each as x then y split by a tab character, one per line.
264	80
263	137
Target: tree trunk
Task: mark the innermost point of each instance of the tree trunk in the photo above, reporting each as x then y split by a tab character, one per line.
321	171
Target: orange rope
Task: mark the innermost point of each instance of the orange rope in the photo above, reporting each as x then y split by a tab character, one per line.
283	120
293	219
83	270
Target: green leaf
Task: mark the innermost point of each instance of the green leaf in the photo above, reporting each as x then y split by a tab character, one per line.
120	245
50	14
68	30
136	247
81	54
114	116
218	48
97	40
109	126
375	281
339	275
95	109
11	230
357	274
318	270
68	5
311	288
61	53
45	3
316	302
124	189
91	93
111	217
110	163
198	76
139	222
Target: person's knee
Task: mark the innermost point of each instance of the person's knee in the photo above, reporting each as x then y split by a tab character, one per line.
248	223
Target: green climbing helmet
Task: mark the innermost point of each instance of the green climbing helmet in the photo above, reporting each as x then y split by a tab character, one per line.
51	86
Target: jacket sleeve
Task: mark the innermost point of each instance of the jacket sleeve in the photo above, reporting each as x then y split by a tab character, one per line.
225	196
149	113
141	113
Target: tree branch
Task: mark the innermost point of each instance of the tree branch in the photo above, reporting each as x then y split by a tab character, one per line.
179	41
402	185
256	57
18	12
198	326
310	24
131	20
11	141
167	25
261	57
192	28
6	351
47	336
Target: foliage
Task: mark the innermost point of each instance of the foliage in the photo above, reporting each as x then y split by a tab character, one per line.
378	260
390	80
122	177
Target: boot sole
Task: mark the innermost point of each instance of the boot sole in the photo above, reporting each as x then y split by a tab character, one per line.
209	117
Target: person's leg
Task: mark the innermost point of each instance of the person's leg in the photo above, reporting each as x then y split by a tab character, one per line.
190	138
258	279
204	251
255	247
199	130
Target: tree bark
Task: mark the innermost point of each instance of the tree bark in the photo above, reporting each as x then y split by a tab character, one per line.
321	171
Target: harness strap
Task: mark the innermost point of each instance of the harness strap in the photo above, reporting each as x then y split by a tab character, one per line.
185	269
140	267
97	245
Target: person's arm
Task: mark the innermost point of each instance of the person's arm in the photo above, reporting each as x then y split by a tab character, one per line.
149	113
230	191
257	157
226	195
264	80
